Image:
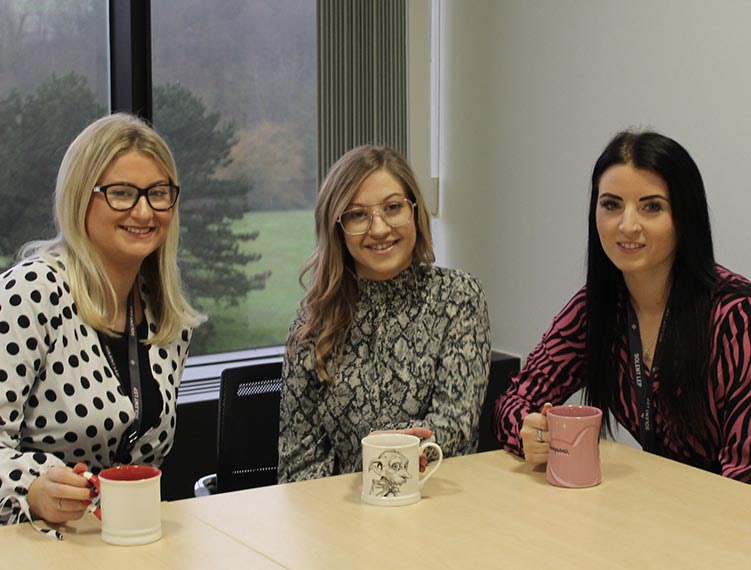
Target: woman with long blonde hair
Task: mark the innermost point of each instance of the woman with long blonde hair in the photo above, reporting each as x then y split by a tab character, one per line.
94	325
384	340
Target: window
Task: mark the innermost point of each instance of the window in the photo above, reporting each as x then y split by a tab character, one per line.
235	95
53	82
232	87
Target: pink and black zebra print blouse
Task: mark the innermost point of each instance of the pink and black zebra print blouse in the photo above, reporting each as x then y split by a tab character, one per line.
553	373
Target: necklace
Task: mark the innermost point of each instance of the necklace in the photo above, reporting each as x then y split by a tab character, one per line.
648	353
648	356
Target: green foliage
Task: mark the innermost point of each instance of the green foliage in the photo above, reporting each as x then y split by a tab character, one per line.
263	318
214	267
34	133
269	94
255	63
36	130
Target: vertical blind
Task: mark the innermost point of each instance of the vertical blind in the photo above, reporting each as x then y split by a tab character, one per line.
362	76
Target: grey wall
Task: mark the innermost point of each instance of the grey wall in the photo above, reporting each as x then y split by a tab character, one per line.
531	93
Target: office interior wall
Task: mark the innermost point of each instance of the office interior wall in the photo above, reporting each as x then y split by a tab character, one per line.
531	91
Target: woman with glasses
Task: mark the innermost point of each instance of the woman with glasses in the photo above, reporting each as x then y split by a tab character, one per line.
384	340
94	327
660	336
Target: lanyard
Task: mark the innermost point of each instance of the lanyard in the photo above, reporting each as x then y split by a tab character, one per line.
644	401
131	434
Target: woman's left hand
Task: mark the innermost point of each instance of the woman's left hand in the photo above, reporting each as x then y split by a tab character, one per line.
421	432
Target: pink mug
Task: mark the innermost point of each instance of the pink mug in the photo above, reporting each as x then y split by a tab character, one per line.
129	503
574	456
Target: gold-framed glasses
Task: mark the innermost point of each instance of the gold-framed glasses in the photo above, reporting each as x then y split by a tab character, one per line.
357	220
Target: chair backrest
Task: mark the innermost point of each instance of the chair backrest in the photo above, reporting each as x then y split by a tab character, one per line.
249	426
503	367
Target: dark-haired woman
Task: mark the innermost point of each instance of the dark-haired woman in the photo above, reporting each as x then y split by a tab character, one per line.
660	336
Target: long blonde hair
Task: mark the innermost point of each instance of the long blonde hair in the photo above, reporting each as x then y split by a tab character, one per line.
328	307
84	163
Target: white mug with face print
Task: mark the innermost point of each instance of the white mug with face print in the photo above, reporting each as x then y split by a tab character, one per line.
391	468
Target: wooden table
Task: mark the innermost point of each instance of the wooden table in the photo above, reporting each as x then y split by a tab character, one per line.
488	510
187	543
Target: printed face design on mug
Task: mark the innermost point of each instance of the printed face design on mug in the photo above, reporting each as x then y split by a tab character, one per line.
127	238
382	252
634	220
392	469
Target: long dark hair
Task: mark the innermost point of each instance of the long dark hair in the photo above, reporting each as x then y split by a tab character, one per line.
685	354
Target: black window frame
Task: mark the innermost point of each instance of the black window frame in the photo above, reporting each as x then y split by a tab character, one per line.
130	67
130	57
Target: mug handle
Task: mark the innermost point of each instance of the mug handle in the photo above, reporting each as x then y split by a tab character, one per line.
436	465
94	484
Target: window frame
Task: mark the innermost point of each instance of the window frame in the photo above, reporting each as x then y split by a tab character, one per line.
131	91
130	57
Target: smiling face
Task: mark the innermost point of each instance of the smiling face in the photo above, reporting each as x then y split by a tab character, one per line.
125	239
382	252
635	222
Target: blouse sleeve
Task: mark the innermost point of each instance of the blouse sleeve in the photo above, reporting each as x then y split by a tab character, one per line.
305	451
186	336
461	376
733	391
28	317
551	374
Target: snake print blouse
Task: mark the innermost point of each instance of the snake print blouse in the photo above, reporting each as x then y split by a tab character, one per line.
418	355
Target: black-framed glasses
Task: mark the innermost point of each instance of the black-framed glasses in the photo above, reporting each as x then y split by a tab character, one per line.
123	196
357	221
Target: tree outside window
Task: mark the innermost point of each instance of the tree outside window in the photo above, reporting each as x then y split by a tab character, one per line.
234	96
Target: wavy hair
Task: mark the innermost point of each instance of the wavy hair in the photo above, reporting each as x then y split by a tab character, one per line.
83	165
328	307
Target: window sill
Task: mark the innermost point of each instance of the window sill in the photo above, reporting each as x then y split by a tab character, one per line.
202	374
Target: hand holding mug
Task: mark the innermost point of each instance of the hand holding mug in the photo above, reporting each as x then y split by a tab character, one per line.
421	432
535	436
60	495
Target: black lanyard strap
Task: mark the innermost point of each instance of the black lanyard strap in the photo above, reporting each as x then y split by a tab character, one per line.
644	402
130	435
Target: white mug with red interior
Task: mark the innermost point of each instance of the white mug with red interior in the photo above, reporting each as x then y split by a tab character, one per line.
129	503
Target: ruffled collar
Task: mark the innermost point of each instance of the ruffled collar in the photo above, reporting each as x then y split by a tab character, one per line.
406	284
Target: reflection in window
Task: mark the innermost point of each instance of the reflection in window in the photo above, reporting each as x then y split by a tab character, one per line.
235	96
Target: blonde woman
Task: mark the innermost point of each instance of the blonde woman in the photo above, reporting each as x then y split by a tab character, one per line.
94	326
384	340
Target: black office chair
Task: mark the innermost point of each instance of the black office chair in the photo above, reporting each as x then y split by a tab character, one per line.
247	451
503	367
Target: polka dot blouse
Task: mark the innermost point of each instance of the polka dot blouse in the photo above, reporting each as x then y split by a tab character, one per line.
60	402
